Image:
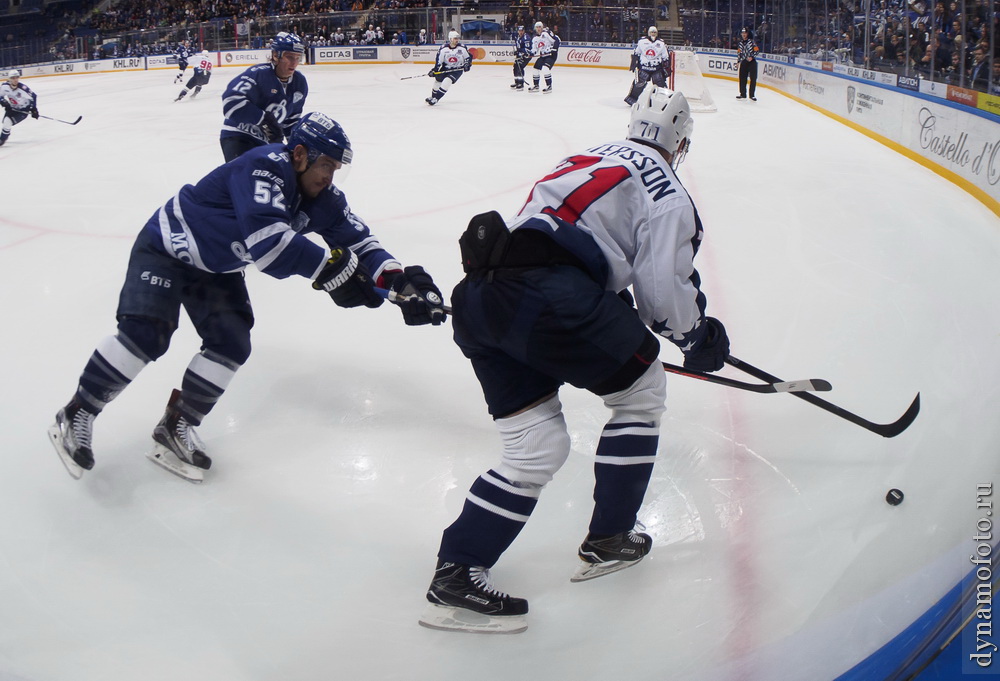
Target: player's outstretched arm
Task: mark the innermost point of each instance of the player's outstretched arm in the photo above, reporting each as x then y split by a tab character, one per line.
417	296
347	280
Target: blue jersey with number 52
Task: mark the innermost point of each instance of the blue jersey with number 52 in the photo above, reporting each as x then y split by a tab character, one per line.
255	91
250	211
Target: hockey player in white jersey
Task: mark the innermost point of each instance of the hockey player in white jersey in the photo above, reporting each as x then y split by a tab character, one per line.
192	252
202	74
544	46
18	102
541	306
650	62
453	59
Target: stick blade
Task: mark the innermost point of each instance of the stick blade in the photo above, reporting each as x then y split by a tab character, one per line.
902	423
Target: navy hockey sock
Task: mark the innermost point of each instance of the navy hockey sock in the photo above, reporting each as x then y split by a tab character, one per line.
622	468
495	510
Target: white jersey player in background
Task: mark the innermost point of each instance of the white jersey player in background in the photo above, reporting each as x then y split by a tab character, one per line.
202	74
545	46
453	59
651	62
18	103
544	303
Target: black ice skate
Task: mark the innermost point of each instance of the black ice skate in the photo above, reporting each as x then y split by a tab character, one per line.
462	598
604	555
71	436
431	100
197	89
178	447
181	95
533	88
547	90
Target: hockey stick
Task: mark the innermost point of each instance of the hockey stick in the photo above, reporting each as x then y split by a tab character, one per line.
59	120
775	386
431	75
884	429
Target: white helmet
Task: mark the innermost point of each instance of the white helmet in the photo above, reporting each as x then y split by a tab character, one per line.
653	32
13	73
539	25
453	35
662	117
204	53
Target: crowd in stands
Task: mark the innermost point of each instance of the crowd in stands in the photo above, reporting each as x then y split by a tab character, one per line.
909	38
905	36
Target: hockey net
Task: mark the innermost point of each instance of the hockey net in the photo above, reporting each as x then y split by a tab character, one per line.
685	75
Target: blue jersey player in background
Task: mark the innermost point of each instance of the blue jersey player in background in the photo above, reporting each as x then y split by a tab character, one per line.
522	55
262	104
191	254
183	52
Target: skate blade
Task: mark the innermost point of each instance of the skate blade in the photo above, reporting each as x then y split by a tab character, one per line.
164	458
595	570
447	618
72	467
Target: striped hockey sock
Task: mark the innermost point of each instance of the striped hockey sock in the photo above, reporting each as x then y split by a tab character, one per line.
622	469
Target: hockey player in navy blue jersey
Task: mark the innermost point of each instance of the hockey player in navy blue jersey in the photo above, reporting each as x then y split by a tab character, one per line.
183	52
453	59
540	306
18	102
191	254
522	55
262	104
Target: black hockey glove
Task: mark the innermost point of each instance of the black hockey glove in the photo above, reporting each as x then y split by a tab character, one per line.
272	130
433	72
347	280
710	351
417	297
34	112
468	65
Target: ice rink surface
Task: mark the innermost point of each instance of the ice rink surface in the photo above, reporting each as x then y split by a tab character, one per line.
348	441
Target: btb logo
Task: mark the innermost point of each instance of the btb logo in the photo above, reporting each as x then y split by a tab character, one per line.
850	99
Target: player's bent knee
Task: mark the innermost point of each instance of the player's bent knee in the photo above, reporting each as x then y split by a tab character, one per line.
644	400
151	336
535	444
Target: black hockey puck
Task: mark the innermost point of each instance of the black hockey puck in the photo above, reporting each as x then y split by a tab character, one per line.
894	497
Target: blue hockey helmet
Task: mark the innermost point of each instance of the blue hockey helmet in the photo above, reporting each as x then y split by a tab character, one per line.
287	42
320	134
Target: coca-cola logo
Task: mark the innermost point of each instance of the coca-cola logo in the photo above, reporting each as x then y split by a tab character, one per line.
585	56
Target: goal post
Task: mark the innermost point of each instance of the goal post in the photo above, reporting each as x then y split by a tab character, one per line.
686	77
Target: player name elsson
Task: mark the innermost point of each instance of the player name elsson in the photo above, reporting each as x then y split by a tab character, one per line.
653	177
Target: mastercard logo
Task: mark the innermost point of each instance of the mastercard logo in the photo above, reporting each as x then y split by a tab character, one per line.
477	52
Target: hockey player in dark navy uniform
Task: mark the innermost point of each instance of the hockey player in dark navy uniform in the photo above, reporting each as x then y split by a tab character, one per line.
191	253
522	55
263	103
183	52
541	306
